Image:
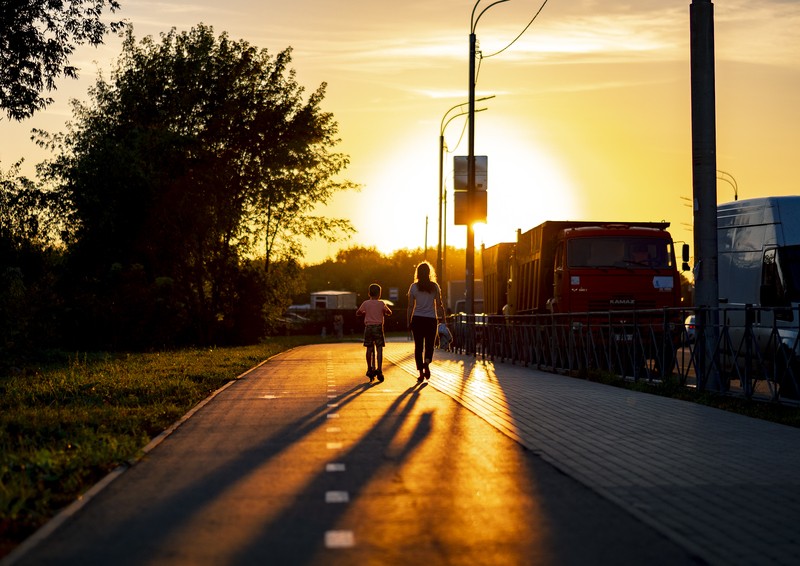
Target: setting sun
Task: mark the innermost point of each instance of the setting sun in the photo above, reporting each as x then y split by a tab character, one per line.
526	184
590	120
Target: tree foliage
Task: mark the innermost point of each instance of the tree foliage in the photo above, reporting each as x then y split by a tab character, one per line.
27	265
197	155
36	39
20	205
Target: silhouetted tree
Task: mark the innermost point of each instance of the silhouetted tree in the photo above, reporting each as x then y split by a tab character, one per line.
28	268
196	155
37	39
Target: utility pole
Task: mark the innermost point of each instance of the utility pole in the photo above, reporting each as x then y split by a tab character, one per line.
439	232
442	249
470	263
704	183
426	238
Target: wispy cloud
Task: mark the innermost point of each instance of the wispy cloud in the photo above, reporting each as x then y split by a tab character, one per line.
152	18
418	34
602	37
763	32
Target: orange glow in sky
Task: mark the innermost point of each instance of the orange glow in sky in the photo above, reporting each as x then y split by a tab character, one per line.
591	118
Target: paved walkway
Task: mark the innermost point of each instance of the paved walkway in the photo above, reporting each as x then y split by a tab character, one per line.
395	473
723	485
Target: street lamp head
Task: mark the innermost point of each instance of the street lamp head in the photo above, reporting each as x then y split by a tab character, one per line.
474	20
446	120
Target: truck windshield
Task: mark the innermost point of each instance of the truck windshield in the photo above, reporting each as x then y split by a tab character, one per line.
630	252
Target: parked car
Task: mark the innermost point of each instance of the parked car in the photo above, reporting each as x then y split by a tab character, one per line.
293	323
690	329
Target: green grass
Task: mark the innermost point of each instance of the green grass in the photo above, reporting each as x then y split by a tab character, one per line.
64	426
785	413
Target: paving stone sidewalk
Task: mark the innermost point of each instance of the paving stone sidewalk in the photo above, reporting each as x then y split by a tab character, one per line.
723	485
301	461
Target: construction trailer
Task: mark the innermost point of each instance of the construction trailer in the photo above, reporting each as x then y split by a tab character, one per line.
333	300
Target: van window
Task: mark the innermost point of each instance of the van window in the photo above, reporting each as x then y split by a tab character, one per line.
789	271
771	287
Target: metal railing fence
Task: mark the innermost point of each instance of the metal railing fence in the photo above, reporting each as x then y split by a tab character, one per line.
739	349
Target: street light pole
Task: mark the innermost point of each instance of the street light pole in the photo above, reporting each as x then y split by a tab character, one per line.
470	263
439	252
704	184
731	180
442	247
426	238
439	259
440	256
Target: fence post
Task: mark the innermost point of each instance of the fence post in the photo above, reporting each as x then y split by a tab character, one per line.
749	317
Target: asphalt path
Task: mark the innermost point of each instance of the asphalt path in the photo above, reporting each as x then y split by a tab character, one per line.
302	461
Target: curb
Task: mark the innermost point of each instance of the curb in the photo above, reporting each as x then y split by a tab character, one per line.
65	514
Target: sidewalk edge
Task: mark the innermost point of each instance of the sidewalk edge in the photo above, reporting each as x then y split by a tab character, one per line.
65	514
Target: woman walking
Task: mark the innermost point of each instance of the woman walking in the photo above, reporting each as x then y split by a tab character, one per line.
424	302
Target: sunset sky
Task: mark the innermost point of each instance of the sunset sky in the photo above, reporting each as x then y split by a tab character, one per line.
591	118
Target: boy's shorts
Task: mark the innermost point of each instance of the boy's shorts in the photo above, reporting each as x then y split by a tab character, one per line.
373	334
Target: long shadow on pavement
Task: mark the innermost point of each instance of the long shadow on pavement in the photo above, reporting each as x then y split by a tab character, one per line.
294	537
132	539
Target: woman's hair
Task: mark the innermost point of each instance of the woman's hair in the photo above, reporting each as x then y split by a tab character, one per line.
426	278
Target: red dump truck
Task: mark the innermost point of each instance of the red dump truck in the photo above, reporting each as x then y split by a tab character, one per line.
581	266
583	271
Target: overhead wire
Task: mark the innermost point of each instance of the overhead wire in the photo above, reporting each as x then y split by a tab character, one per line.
530	23
481	56
460	138
478	68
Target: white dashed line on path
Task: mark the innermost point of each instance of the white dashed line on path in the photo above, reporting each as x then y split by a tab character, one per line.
337	497
339	539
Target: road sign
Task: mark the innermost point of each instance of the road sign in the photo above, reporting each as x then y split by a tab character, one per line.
461	175
461	213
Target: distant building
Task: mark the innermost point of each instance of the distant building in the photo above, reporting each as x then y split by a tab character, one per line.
333	300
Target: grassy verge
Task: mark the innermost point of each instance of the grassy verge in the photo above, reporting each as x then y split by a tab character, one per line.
64	426
785	414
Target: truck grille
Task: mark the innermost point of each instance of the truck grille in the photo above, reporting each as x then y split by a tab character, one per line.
621	303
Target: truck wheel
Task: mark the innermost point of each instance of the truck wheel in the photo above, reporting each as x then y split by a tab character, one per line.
663	369
664	363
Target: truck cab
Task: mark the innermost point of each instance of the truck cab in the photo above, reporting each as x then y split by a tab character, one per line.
613	283
614	267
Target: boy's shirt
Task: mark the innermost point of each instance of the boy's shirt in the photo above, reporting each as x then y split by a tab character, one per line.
373	311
